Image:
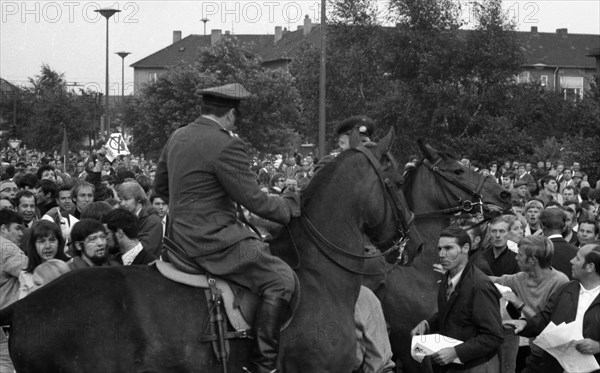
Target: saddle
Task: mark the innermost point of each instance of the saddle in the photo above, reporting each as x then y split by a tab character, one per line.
239	303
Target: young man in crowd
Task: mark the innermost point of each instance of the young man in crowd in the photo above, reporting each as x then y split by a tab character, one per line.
468	309
577	302
533	209
163	210
12	262
26	207
122	228
88	237
587	233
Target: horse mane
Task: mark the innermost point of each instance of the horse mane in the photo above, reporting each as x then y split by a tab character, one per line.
322	177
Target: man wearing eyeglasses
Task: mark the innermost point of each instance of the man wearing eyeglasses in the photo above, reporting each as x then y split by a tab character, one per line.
202	174
89	245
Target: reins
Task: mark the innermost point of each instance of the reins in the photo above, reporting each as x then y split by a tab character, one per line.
463	206
390	191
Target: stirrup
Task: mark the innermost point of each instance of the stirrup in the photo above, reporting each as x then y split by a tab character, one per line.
246	370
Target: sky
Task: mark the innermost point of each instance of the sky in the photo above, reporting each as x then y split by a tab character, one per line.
70	37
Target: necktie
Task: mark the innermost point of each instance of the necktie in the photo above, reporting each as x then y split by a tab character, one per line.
449	290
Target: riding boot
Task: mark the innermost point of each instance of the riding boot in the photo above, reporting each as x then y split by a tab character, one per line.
267	324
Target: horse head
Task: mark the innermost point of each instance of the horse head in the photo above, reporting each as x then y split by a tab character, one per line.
462	189
406	243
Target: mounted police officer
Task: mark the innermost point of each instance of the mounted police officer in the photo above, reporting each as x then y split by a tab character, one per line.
202	174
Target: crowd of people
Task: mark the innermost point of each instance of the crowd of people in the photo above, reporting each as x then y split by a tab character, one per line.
104	213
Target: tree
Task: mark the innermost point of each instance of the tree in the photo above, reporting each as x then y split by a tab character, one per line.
53	107
174	100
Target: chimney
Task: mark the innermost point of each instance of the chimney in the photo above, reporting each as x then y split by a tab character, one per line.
176	36
534	29
562	32
278	33
300	28
227	32
307	25
215	37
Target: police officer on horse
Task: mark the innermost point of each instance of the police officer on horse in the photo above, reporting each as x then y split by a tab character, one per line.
203	174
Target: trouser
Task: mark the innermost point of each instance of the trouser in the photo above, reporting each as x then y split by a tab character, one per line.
373	350
509	350
6	365
250	263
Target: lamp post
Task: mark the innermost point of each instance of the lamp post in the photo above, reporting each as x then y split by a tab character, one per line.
107	13
204	20
123	55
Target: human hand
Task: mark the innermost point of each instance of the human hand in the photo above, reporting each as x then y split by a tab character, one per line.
444	356
439	269
420	329
519	325
512	298
587	346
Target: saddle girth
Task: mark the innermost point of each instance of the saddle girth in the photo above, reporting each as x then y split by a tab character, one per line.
215	328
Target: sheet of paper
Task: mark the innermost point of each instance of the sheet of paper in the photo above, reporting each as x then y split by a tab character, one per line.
428	344
559	341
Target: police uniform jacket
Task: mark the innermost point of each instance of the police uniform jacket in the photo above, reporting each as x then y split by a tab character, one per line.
202	172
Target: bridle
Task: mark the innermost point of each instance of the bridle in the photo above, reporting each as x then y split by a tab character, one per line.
465	207
390	192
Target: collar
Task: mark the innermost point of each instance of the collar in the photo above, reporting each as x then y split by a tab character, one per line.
594	291
130	255
454	280
554	236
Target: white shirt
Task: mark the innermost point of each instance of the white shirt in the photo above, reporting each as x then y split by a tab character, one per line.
586	297
129	256
454	280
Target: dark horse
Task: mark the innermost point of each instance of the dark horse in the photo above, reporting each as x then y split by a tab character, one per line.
436	189
131	319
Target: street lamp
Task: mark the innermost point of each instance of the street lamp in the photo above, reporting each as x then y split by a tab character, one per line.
107	13
123	55
205	20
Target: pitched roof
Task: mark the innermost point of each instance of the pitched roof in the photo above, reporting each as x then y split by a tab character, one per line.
552	49
188	49
559	49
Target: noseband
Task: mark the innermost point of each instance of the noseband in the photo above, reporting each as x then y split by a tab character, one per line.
390	192
466	206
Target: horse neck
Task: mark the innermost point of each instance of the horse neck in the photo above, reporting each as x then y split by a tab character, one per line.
424	196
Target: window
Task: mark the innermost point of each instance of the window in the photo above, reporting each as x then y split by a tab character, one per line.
524	77
544	80
571	87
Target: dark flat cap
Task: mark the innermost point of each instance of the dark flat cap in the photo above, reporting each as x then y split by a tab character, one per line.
365	125
518	183
228	95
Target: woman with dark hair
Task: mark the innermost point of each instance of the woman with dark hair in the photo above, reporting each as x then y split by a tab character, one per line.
45	244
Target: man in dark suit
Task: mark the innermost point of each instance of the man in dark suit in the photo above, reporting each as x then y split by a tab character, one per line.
553	222
468	310
202	173
577	301
123	229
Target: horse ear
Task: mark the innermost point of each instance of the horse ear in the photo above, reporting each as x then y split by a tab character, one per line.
354	139
385	145
430	153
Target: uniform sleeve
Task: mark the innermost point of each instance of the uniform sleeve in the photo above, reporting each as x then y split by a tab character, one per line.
161	178
486	318
233	172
